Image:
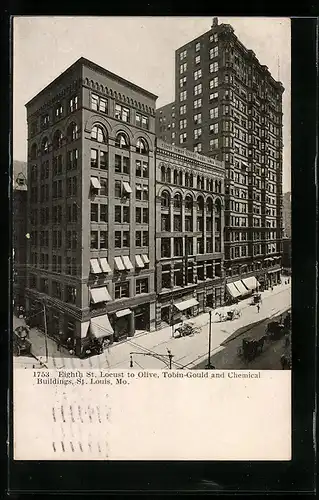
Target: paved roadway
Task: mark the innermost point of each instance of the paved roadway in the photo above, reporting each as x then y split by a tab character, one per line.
227	358
152	347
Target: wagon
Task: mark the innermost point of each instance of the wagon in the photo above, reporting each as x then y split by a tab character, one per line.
251	348
21	342
275	330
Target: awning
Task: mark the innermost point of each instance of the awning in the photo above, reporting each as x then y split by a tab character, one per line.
139	261
124	312
127	187
232	290
95	182
145	259
119	263
241	288
101	326
100	295
186	304
105	265
127	263
84	329
251	283
95	266
138	187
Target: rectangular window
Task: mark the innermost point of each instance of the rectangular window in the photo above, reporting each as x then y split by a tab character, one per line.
213	144
99	103
138	238
121	290
213	52
118	214
126	165
145	215
141	286
183	95
213	83
183	68
103	240
141	120
213	113
73	103
213	128
126	214
71	294
103	160
197	133
126	239
198	147
197	103
138	215
183	55
104	186
198	118
197	59
198	89
197	74
182	123
94	212
182	109
145	238
182	82
94	240
182	138
122	113
103	213
213	67
117	239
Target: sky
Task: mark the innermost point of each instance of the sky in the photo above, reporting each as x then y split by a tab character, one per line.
140	49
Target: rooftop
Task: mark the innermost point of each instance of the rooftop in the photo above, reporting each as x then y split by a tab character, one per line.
82	61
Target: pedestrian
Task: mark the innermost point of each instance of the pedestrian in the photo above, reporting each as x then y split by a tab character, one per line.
258	307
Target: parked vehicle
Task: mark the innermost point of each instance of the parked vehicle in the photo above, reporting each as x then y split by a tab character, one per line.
185	330
251	348
229	315
21	342
276	330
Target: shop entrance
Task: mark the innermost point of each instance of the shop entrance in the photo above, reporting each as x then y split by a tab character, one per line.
210	300
142	317
165	314
121	327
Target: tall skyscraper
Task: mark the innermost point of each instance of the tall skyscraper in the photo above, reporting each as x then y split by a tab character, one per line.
229	107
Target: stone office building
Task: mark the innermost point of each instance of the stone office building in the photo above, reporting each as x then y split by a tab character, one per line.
189	233
229	107
91	257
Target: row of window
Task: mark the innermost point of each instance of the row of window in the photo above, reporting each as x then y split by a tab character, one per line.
177	249
188	223
213	52
187	179
99	239
121	112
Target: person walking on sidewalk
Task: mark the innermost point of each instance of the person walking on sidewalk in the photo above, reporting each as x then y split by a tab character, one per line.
258	307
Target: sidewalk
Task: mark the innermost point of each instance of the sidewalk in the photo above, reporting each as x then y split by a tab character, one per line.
187	351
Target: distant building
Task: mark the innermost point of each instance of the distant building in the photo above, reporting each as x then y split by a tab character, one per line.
286	212
19	231
286	258
189	233
229	107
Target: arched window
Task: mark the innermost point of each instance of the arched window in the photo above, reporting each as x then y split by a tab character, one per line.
122	141
97	133
191	180
168	175
200	203
72	131
187	180
180	178
177	201
57	139
175	177
209	206
198	182
44	145
188	202
141	146
33	152
165	199
163	173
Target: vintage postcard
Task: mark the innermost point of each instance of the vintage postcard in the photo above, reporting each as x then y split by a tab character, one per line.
151	238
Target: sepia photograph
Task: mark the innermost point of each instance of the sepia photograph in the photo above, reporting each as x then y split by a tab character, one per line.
151	214
151	193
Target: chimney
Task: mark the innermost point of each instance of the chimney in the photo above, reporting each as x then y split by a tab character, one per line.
215	22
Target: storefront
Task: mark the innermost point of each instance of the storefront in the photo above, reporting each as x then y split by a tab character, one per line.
201	302
123	324
218	297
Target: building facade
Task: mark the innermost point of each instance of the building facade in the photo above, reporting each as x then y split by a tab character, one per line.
229	107
287	214
91	170
19	232
189	233
165	123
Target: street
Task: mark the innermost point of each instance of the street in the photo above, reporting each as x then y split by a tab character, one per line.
149	350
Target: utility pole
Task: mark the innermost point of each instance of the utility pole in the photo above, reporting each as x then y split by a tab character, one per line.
209	339
45	332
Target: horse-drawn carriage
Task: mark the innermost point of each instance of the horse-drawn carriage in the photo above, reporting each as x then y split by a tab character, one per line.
276	330
21	342
251	348
256	298
229	315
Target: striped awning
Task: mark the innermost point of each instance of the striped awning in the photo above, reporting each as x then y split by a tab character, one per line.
95	266
127	263
101	327
241	288
232	290
119	264
139	261
145	259
100	295
186	304
251	283
124	312
105	265
95	182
